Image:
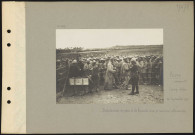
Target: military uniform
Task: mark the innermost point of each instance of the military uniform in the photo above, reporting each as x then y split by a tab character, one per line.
102	70
134	78
116	74
125	74
95	77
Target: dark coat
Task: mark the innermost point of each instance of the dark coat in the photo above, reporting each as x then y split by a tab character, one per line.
134	71
74	70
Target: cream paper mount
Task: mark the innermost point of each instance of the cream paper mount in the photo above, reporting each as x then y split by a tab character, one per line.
29	68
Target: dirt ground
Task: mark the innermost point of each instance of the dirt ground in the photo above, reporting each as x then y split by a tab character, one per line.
148	94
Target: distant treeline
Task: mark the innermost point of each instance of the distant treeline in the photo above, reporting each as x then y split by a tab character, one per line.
69	50
118	47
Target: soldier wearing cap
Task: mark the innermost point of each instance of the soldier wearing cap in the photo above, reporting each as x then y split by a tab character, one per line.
125	76
95	76
161	71
58	63
81	67
118	70
74	69
102	70
120	63
74	72
149	70
87	68
116	74
140	64
134	78
122	70
144	71
153	69
109	78
158	70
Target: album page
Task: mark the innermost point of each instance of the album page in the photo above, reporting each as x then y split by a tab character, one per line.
97	67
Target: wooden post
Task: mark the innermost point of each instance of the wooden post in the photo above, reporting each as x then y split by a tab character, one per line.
65	81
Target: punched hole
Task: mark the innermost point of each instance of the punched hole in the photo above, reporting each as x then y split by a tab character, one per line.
8	44
8	31
8	88
8	101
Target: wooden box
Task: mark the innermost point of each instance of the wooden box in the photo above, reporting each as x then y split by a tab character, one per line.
85	81
78	81
71	80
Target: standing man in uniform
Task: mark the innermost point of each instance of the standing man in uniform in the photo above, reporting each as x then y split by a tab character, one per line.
74	72
95	76
134	78
102	71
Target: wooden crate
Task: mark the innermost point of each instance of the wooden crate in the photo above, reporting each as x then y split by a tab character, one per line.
78	81
85	81
72	81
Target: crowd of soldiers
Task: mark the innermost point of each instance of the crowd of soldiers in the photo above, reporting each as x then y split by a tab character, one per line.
116	72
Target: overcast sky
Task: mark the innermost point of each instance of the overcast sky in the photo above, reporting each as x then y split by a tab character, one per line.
102	38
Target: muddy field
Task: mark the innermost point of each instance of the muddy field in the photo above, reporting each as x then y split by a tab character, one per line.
149	94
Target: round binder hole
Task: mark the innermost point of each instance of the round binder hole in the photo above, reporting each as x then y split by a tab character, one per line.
8	88
8	44
8	101
8	31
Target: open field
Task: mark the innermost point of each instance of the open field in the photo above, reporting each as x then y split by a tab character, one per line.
149	94
116	50
141	50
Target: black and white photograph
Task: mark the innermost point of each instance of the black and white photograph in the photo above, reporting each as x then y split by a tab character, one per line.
97	67
109	66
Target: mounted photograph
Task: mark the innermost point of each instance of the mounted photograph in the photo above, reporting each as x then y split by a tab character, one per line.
109	66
